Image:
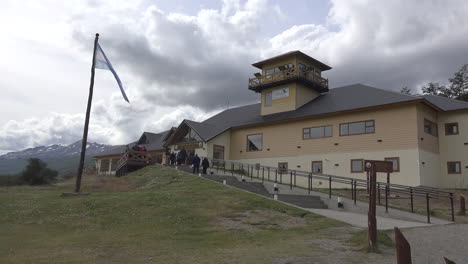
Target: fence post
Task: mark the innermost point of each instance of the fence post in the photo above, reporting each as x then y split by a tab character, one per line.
258	172
268	173
411	197
308	184
428	209
263	174
232	169
251	174
378	191
281	176
451	207
295	179
355	191
329	186
386	198
276	175
290	180
462	205
352	189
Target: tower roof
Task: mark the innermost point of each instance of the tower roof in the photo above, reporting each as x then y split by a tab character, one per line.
323	66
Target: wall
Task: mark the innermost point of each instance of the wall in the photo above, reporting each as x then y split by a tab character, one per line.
282	104
340	164
429	167
453	148
304	95
223	139
427	141
395	126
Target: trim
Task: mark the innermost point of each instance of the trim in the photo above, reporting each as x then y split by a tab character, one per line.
448	167
447	133
365	121
351	166
247	145
398	163
321	166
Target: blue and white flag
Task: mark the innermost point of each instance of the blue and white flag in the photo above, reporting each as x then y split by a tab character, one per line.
102	62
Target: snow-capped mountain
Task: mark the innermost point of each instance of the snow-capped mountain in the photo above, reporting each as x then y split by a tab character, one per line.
57	151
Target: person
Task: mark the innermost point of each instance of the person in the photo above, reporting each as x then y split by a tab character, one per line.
183	156
179	158
196	164
205	164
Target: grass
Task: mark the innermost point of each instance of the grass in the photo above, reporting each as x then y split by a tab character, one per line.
359	240
159	215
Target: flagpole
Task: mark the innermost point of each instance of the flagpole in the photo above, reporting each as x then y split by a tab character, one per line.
85	132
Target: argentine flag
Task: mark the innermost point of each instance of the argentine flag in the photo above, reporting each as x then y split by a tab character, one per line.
102	62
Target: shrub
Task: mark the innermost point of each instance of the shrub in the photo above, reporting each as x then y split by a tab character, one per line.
37	173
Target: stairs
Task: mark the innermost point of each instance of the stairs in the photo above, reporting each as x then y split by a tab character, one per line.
304	201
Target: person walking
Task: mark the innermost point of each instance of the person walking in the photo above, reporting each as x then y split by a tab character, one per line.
205	165
196	164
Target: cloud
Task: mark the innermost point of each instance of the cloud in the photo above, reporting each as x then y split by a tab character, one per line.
177	66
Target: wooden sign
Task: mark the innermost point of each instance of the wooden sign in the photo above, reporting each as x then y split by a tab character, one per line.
378	166
188	145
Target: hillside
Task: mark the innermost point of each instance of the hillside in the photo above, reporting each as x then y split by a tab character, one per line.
61	158
159	215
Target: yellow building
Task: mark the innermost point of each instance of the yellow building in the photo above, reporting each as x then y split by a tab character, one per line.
302	124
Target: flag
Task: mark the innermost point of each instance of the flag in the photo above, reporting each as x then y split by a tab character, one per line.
102	62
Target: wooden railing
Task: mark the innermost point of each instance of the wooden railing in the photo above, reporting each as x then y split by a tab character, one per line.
287	74
142	157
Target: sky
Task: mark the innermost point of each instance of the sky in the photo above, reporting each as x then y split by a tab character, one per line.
187	59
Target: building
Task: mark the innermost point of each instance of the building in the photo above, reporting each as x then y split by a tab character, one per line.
302	124
106	163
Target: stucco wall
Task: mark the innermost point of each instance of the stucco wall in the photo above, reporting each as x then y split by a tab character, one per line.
282	104
223	139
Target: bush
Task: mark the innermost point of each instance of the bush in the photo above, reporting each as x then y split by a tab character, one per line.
10	180
37	173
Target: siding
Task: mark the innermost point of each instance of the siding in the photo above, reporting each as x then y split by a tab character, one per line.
426	141
395	126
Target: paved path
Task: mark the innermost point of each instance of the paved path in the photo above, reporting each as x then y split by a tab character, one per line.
360	220
430	244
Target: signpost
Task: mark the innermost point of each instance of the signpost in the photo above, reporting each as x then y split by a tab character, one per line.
372	167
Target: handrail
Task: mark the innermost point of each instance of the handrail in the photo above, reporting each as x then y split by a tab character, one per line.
418	191
287	74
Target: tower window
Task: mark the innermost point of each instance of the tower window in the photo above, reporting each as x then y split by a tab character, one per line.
451	129
454	167
254	142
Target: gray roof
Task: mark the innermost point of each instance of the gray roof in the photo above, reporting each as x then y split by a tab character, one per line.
445	103
154	142
339	99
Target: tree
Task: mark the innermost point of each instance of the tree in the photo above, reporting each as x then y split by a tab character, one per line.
37	173
459	83
457	88
406	90
434	88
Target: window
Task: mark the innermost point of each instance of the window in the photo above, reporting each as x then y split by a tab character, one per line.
454	167
430	127
317	167
304	67
268	98
278	69
282	167
317	132
254	142
396	163
357	165
451	129
218	152
356	128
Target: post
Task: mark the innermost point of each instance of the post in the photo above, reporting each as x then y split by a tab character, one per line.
462	205
232	169
263	174
281	176
308	184
290	180
355	191
86	124
378	192
451	207
372	220
403	248
294	178
411	199
428	209
268	173
352	189
276	175
329	187
386	198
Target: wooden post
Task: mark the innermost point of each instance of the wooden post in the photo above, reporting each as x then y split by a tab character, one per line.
403	248
84	141
462	205
371	217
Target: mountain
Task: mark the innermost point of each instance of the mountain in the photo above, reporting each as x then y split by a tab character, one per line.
59	157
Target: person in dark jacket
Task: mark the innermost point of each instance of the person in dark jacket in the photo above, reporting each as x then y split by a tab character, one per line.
196	164
205	165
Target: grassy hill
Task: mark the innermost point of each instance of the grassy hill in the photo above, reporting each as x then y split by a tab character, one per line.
159	215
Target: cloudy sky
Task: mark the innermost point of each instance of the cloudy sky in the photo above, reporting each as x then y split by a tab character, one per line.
189	59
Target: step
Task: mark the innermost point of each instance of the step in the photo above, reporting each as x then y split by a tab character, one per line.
303	201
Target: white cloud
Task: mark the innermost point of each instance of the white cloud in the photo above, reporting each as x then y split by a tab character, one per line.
177	66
